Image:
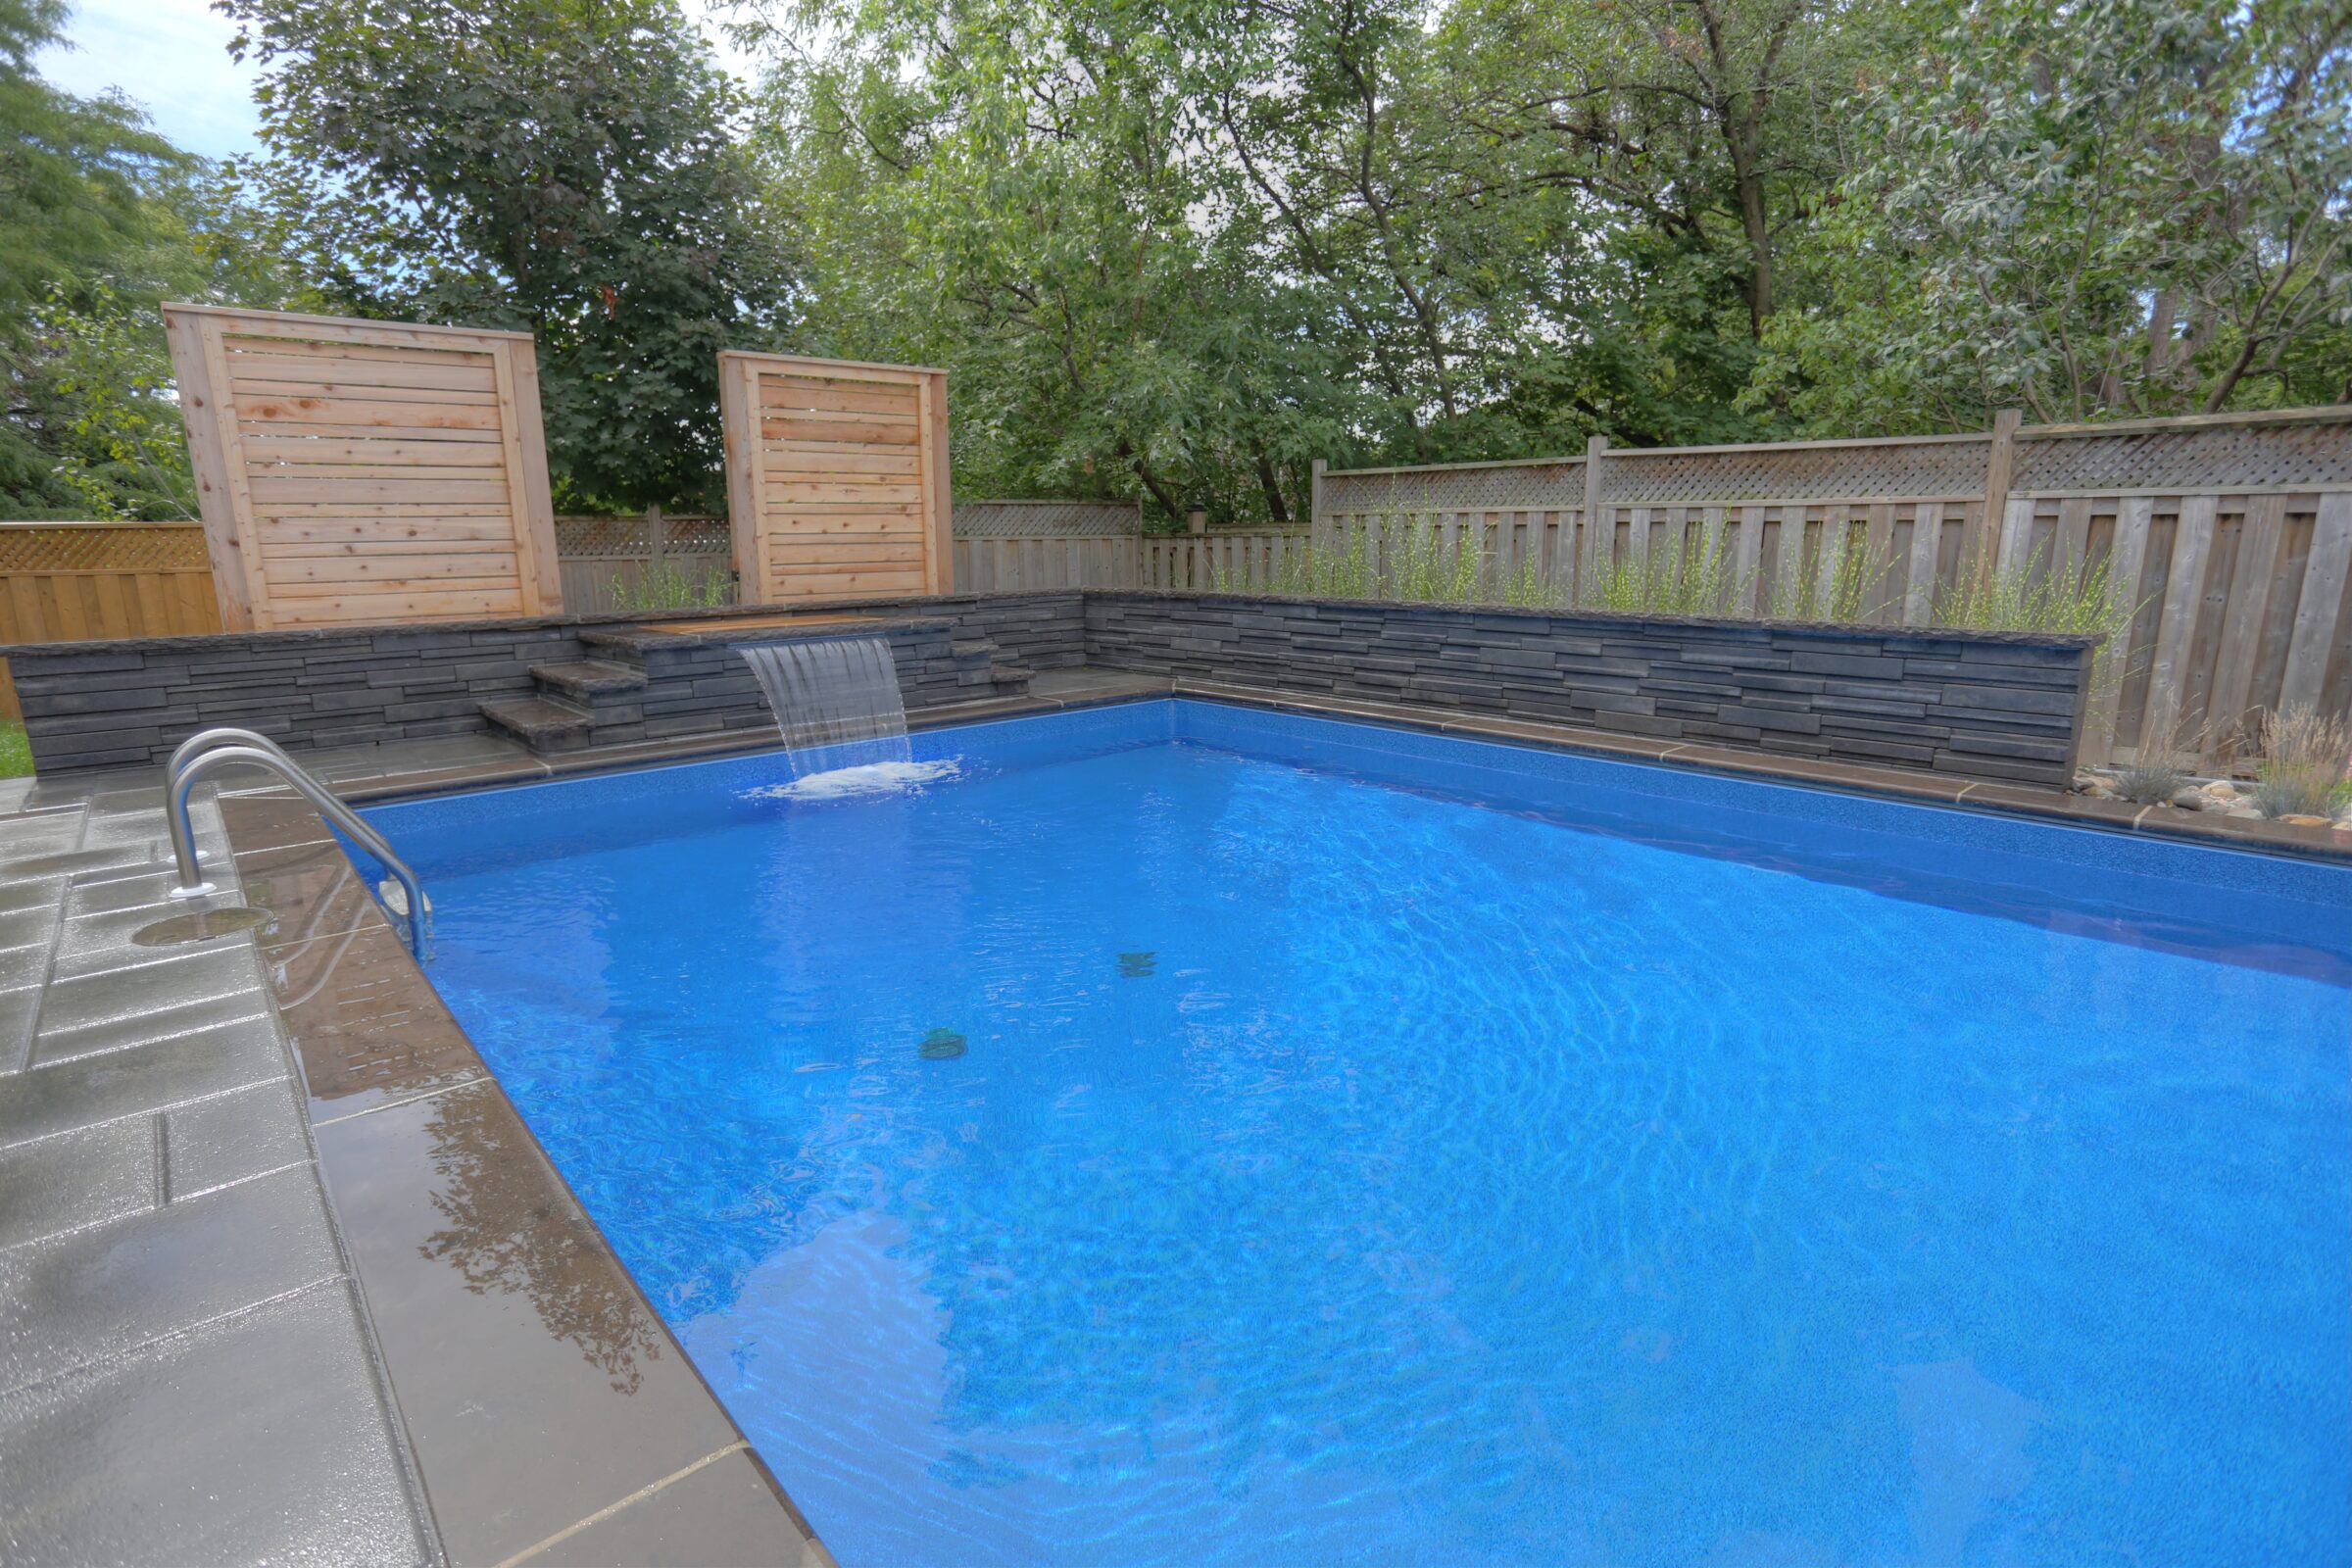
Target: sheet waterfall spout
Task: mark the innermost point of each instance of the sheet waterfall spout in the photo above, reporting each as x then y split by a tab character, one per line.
837	702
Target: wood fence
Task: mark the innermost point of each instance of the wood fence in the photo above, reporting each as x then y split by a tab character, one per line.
1237	561
607	560
2226	542
70	582
837	476
355	472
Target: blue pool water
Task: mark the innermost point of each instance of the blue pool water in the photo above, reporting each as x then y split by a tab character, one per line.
1369	1147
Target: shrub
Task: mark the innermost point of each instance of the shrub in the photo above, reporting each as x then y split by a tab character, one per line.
1673	582
2152	780
2305	757
2031	597
666	586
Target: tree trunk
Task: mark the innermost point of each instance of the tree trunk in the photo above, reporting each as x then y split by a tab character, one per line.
2159	333
1753	220
1276	507
1159	491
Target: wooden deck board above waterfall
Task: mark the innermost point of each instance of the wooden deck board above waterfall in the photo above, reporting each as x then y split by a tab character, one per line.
731	624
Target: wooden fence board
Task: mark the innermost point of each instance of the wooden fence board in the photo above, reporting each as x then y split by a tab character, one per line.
2242	611
2326	572
401	429
2227	538
837	477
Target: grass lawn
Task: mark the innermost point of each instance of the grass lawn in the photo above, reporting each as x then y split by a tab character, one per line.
15	752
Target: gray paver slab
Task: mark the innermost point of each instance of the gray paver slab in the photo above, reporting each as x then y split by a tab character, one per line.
125	1083
34	893
127	1007
75	1179
97	943
104	1292
232	1138
259	1438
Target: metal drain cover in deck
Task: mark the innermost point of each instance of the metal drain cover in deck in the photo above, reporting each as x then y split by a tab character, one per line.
202	926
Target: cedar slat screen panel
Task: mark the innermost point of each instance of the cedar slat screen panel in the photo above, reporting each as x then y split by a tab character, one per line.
837	477
364	472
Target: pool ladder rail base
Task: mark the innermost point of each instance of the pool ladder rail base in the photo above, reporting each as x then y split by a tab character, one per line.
209	750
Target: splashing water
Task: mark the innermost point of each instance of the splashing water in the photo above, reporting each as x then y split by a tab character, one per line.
869	778
837	697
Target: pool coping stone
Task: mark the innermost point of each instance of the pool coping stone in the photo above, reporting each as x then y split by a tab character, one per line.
545	1404
1995	797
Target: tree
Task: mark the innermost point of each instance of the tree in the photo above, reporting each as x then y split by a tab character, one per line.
100	221
567	167
2113	208
1017	190
79	220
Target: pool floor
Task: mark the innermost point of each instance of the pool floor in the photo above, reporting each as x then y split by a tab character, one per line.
1190	1135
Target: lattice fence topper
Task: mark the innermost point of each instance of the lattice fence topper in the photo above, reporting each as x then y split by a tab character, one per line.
1485	487
1048	520
625	538
102	547
2316	455
1935	467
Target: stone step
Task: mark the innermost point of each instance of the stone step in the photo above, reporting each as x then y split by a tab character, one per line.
1015	676
541	723
581	680
618	645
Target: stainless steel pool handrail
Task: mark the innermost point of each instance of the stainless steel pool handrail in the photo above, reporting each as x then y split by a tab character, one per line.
193	761
205	740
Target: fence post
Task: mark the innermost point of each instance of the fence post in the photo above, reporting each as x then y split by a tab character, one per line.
1314	505
1589	559
1997	464
658	534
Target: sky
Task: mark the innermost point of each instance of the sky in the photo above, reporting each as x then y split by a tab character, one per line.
171	57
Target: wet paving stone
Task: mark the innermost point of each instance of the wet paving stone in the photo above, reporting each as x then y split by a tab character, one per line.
169	994
78	1179
262	1437
109	1290
147	1077
232	1138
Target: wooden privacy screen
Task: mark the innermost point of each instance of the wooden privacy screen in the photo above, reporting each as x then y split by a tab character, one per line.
837	476
360	471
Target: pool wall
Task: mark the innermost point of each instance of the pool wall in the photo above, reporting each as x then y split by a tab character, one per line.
1985	706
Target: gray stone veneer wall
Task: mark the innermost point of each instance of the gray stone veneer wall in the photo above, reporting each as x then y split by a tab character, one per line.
104	705
1988	706
1985	706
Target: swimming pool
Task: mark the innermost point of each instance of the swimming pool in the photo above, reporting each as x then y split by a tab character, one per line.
1193	1132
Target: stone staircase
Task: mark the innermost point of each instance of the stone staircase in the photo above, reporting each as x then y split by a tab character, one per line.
977	670
604	698
575	699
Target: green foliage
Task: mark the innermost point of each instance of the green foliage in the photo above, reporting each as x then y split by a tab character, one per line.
2306	756
125	454
567	166
1182	250
100	221
2039	596
1698	581
78	176
2123	206
664	585
15	752
2152	780
1311	574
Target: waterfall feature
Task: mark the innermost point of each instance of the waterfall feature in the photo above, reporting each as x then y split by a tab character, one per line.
837	702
